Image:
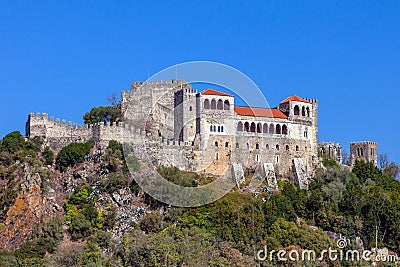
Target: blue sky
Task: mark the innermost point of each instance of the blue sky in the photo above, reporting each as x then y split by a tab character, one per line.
64	57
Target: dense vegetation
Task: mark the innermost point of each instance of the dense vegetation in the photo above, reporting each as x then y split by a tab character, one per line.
364	202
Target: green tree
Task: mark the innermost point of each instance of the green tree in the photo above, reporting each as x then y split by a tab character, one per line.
72	154
103	114
12	142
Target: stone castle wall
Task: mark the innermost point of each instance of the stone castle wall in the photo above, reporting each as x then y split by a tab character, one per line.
56	133
166	122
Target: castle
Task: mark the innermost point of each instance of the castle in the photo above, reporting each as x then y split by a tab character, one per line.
206	132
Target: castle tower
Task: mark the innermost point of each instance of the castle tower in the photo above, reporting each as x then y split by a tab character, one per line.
215	115
366	151
185	113
304	114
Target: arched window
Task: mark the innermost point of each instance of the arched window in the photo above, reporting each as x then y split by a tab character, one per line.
297	148
222	129
219	128
259	128
211	128
227	106
265	128
267	147
277	147
277	159
308	112
247	145
278	129
226	144
253	127
213	104
215	128
240	127
257	146
216	144
271	129
190	108
246	127
305	134
284	129
303	111
287	147
257	158
220	105
237	145
206	104
216	156
296	110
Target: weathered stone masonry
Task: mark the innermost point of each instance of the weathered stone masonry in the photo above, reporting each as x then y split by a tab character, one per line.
206	132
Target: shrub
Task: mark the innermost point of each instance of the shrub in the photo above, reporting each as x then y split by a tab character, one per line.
103	238
115	149
134	187
178	177
152	223
80	227
30	249
7	198
110	217
132	163
72	154
34	144
114	182
48	155
328	162
7	259
52	234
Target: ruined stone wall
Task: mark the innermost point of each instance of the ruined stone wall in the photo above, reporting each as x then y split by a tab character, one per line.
330	150
150	106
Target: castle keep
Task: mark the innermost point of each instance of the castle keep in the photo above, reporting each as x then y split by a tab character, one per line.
203	131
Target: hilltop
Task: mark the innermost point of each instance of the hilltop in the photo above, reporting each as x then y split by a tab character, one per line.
81	207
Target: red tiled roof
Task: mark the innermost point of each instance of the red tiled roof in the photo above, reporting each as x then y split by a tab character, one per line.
295	98
260	112
213	92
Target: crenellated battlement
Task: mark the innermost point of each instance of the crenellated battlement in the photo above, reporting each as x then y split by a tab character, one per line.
163	83
364	143
158	84
43	118
58	132
311	100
